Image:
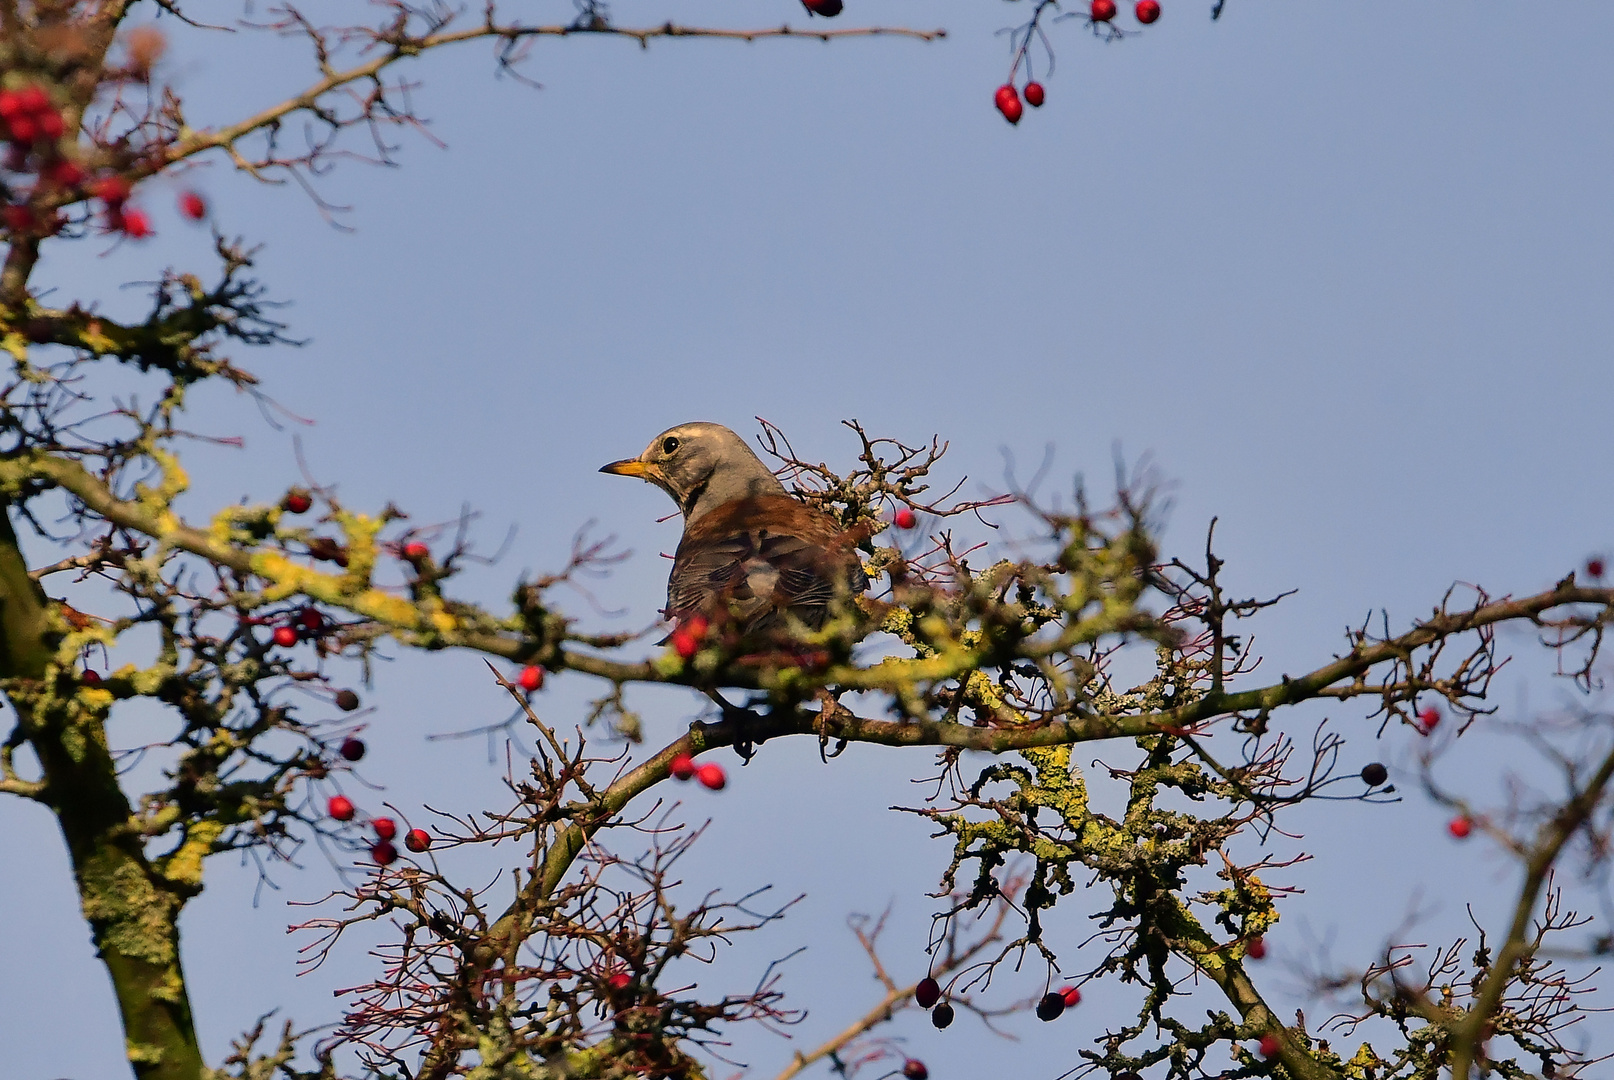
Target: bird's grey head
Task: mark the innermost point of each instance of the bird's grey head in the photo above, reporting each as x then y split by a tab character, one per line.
702	466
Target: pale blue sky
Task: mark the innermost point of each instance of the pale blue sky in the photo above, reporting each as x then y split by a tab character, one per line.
1343	269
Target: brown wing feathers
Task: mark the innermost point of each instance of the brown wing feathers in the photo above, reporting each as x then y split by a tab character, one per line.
752	559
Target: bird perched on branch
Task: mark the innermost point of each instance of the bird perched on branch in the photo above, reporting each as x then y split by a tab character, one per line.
751	556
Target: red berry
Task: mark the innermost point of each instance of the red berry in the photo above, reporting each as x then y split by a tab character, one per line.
711	775
1103	10
296	502
136	225
18	218
686	639
684	645
1072	996
1460	827
531	678
1034	94
1008	103
914	1069
827	8
90	678
192	205
904	519
941	1016
415	551
1256	948
10	104
383	853
311	619
24	129
33	99
1429	717
352	748
1270	1046
340	807
51	124
619	980
285	636
347	700
682	766
417	840
1050	1007
927	993
1594	567
1147	11
385	828
63	173
112	190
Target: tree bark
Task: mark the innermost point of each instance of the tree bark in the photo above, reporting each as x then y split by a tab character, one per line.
132	908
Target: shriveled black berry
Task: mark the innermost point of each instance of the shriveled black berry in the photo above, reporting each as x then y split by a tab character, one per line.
1050	1006
927	993
353	749
347	700
941	1015
1374	774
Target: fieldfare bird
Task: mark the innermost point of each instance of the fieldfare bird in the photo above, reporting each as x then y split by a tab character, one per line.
751	557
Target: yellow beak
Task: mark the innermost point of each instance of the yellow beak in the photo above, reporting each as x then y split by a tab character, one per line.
633	467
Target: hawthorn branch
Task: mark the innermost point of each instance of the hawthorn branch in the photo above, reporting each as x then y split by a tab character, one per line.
896	997
1467	1034
401	46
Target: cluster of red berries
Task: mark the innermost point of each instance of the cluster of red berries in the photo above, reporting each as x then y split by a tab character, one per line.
382	852
1103	11
29	117
307	621
29	120
709	773
32	125
114	192
686	639
1007	100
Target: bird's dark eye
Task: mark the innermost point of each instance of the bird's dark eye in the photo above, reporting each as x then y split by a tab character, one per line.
669	444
